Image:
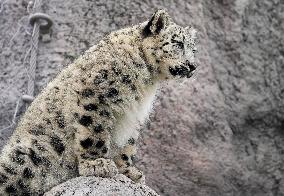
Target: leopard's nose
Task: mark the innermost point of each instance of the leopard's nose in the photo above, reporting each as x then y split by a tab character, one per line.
191	66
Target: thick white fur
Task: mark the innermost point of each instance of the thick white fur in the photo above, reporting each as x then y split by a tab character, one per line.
134	117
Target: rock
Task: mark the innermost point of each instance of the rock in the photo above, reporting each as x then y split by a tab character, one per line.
119	185
223	132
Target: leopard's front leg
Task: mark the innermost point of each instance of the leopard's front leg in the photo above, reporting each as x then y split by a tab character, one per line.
92	153
125	162
99	167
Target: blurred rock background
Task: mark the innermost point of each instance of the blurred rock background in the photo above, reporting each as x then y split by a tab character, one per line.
219	133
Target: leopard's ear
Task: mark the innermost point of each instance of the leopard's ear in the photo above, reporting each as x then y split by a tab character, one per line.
159	21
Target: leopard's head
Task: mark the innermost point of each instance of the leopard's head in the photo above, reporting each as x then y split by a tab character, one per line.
168	46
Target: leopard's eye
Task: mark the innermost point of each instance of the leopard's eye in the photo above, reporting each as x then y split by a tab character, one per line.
180	45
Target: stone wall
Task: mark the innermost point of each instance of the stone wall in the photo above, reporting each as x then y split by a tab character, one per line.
220	133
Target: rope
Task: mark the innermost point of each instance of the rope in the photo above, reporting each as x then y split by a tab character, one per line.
36	20
33	57
14	117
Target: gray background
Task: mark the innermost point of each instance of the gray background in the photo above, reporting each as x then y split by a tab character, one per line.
220	133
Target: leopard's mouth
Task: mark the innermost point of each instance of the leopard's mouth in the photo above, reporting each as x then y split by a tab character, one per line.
186	70
191	66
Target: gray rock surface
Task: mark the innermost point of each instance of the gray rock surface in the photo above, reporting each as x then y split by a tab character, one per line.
119	185
220	133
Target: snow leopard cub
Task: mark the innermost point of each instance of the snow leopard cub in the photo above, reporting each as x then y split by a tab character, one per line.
87	120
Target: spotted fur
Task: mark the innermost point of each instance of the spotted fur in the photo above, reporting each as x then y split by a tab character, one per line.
87	120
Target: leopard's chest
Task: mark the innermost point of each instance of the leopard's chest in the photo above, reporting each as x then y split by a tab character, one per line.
134	117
